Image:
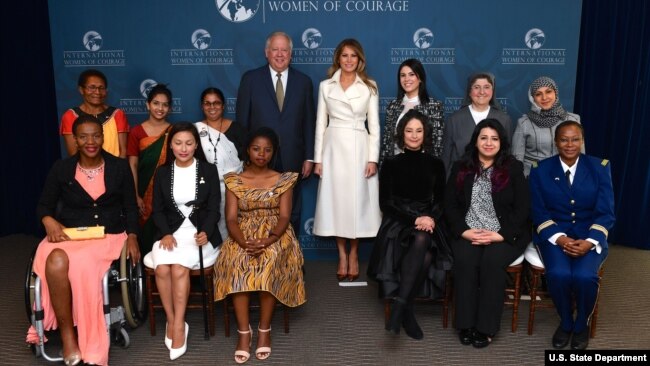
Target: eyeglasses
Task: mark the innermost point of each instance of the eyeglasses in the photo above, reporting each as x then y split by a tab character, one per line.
212	104
95	88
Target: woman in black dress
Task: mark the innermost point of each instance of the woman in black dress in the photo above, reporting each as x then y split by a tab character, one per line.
410	255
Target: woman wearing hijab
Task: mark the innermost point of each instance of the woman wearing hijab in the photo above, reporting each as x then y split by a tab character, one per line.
533	138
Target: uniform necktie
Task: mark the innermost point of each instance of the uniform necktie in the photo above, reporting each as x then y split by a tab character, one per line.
568	177
279	91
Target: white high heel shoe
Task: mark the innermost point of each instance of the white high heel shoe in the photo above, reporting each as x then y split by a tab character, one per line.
262	353
168	341
175	353
241	353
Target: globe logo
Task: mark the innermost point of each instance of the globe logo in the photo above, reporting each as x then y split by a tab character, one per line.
423	38
309	226
237	11
535	38
146	85
92	41
201	39
311	38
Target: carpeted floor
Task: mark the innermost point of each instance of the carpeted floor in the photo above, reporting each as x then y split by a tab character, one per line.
344	325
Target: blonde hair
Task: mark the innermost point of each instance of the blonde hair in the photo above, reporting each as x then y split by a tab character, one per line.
361	67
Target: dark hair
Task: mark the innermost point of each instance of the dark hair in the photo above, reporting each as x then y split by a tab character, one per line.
427	142
470	163
85	118
269	134
472	79
83	77
213	90
418	69
184	127
567	124
159	89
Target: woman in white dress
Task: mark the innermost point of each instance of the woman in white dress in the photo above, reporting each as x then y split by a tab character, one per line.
185	211
346	153
222	140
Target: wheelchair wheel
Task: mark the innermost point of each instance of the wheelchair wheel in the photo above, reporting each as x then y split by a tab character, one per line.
30	277
132	290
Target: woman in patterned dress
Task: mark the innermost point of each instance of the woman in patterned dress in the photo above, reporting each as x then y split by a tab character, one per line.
486	204
261	253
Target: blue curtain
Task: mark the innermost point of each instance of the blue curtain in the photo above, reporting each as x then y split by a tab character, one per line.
613	99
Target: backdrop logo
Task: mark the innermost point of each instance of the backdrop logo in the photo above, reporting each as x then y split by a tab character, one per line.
201	54
201	39
312	54
423	51
92	41
534	54
146	85
92	55
452	104
139	105
535	38
237	11
308	226
423	38
311	38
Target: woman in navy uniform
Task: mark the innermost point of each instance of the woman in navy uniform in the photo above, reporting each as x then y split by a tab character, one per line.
572	217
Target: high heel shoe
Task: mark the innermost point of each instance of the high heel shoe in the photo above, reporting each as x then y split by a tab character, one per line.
72	360
396	316
175	353
411	326
168	341
353	275
342	275
263	350
241	353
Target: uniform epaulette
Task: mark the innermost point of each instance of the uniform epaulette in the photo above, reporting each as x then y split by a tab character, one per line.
604	162
534	164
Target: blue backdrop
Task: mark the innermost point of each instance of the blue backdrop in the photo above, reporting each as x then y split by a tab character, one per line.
193	45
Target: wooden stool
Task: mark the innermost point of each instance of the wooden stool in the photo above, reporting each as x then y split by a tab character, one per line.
535	275
195	300
227	306
445	301
515	292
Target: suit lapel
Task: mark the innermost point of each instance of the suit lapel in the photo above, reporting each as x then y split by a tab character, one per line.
582	171
557	176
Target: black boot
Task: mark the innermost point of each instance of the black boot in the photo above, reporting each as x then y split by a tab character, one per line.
411	326
396	315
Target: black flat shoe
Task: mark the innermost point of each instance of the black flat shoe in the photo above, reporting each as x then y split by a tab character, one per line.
396	316
580	340
560	338
466	336
481	340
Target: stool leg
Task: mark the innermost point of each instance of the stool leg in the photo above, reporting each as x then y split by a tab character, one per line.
286	319
210	290
226	317
386	310
515	302
533	299
152	317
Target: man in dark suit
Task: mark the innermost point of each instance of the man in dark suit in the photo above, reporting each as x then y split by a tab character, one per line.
280	97
572	218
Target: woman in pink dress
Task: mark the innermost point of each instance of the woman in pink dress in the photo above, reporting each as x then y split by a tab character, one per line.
93	188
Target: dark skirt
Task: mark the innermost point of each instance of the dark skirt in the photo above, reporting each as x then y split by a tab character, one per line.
392	243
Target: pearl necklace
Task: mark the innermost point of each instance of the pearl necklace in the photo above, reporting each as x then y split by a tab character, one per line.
92	172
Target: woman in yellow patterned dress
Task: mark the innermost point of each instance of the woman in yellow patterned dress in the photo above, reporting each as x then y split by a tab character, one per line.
261	253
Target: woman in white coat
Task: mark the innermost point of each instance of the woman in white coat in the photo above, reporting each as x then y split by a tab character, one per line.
346	152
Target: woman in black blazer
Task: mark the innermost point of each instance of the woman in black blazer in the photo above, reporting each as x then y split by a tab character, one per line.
89	189
186	200
486	205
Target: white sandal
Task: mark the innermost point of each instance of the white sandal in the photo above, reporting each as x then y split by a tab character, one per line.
261	350
241	353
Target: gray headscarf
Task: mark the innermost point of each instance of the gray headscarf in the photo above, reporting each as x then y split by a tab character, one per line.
549	117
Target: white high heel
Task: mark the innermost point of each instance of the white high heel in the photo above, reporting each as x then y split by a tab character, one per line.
168	341
241	353
175	353
261	350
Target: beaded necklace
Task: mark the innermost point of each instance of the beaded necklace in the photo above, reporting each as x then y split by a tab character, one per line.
196	188
214	145
92	172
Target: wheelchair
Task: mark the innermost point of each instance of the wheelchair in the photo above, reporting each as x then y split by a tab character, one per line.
132	311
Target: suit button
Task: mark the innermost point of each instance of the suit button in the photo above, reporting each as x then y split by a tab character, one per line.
573	202
96	216
574	221
94	205
573	214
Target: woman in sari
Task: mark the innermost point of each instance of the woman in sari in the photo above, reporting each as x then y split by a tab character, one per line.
222	140
147	150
